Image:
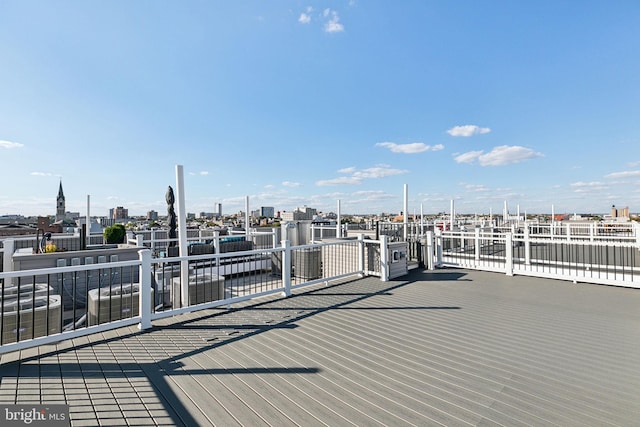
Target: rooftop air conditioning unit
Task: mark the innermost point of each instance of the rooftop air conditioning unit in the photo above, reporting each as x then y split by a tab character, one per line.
27	318
113	303
307	263
202	288
27	290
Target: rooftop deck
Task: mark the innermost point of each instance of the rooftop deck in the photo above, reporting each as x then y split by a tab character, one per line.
448	347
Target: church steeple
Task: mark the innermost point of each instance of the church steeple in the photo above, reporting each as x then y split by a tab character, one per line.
60	204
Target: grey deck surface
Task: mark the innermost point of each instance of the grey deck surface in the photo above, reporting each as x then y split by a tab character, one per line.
450	347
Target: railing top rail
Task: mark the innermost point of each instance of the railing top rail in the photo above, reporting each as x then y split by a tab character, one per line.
68	269
204	257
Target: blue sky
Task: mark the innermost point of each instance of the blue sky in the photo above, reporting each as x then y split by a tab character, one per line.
298	103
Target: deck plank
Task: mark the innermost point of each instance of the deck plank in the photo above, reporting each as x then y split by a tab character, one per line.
448	347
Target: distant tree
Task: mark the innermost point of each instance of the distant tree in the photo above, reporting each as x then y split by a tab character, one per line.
114	234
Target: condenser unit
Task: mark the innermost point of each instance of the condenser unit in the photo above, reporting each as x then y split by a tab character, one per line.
27	290
113	303
307	263
202	288
27	318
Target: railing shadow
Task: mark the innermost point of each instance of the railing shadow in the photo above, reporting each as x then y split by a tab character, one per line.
282	313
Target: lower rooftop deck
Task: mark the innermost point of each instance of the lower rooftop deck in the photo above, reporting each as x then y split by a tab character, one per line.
445	347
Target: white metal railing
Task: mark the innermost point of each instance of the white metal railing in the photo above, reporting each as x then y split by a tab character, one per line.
564	257
158	240
46	305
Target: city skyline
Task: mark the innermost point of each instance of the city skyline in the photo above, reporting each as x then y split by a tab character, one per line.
308	103
117	212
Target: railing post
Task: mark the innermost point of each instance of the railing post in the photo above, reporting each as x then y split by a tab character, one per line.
477	245
139	240
568	226
439	250
527	246
384	258
274	237
286	268
509	254
153	240
216	241
361	254
144	300
8	247
428	252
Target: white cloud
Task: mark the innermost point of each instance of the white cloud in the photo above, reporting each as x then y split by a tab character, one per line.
291	184
467	130
380	171
586	184
416	147
9	145
475	188
333	25
343	180
201	173
499	156
585	187
506	155
468	157
304	18
357	176
350	169
625	174
373	195
42	174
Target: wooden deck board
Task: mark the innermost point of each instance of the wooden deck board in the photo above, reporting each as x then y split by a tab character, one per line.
449	347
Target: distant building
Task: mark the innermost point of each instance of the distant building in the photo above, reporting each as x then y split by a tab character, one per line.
217	210
16	230
60	205
267	211
118	213
618	215
300	214
152	215
47	227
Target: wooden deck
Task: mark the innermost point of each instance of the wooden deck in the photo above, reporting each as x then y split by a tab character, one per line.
450	347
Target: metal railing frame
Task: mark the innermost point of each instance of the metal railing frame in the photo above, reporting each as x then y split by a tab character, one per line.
145	263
